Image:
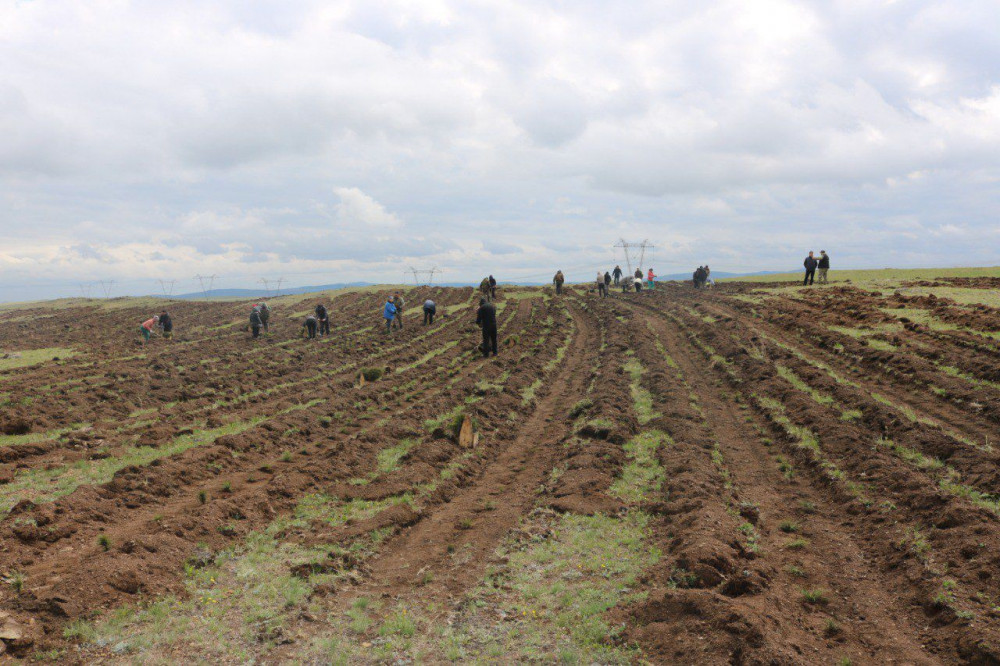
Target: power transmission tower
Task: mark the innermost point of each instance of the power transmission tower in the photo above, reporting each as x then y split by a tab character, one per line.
85	288
106	286
277	290
267	286
634	252
421	272
202	279
167	291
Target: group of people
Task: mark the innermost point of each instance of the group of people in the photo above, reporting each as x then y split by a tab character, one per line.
162	321
812	264
604	281
703	277
488	288
320	319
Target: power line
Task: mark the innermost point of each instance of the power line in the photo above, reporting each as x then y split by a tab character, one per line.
418	272
634	251
106	286
167	291
201	280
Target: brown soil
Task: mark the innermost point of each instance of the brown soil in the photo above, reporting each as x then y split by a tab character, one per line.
879	533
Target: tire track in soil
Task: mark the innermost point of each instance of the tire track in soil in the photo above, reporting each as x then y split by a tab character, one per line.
511	482
870	616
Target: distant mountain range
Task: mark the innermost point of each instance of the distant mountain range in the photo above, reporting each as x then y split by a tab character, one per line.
256	293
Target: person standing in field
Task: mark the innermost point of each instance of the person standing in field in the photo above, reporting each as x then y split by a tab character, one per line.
810	264
638	274
166	325
430	309
558	281
607	281
493	288
265	316
323	317
486	318
388	313
484	288
824	266
146	328
255	322
601	288
398	303
650	277
310	326
617	275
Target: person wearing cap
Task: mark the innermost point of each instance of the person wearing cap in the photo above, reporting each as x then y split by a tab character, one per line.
255	322
388	313
486	318
823	266
146	329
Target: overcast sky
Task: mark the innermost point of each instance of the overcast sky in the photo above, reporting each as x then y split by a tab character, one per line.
337	141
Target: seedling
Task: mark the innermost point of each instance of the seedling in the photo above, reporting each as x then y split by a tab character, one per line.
104	541
286	457
202	497
788	526
796	544
227	487
16	580
817	596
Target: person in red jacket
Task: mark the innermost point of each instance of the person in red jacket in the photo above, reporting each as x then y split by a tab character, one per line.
146	329
649	278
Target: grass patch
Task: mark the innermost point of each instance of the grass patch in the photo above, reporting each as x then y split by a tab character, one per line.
643	474
388	459
29	357
642	399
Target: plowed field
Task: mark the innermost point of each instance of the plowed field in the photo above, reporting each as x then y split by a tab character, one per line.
742	475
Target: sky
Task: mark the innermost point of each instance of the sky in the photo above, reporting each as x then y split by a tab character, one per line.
328	142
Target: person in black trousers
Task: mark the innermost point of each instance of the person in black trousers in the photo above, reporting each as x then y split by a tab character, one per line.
310	326
493	288
810	264
486	318
324	319
430	309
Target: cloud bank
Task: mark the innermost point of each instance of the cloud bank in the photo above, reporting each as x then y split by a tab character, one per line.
342	141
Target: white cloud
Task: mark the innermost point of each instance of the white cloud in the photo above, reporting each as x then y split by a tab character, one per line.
195	137
356	207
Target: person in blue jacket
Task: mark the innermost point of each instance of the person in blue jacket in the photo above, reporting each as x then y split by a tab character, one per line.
388	313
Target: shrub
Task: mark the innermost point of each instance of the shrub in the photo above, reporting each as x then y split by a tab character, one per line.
104	541
371	374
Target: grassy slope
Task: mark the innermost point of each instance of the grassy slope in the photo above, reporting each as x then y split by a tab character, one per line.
885	274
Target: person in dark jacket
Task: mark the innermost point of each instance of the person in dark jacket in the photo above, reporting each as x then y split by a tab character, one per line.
323	317
558	280
484	287
430	309
310	326
824	266
493	288
398	303
265	315
255	322
166	325
607	279
810	264
617	274
638	274
486	318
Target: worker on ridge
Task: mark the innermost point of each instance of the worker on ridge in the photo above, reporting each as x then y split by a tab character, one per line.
398	303
484	288
638	274
486	318
309	327
255	322
617	274
810	265
388	313
493	288
558	281
166	325
601	289
264	314
323	317
824	266
650	277
146	329
607	282
430	309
